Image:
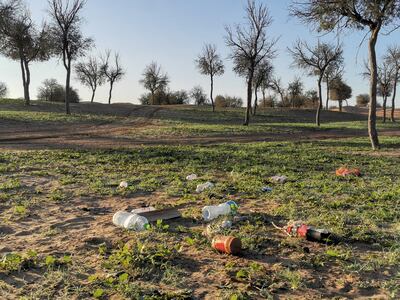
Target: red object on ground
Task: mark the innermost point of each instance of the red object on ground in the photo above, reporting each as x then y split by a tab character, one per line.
299	230
345	172
227	244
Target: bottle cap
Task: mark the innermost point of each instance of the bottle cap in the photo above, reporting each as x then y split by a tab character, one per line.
233	205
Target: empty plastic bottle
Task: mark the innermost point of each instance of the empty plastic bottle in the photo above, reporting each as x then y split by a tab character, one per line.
213	212
130	221
191	177
202	187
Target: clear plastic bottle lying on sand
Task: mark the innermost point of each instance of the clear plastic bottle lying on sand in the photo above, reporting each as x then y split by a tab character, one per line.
213	212
130	221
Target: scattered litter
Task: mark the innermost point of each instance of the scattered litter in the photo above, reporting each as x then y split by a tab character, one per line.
213	212
191	177
216	228
300	229
279	179
345	172
266	189
152	215
205	186
130	221
123	185
142	210
227	244
237	219
226	224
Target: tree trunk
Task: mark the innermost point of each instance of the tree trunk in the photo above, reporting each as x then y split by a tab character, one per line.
327	93
67	88
373	133
318	116
340	105
93	94
263	94
110	92
24	81
249	96
394	98
211	93
384	108
27	84
255	101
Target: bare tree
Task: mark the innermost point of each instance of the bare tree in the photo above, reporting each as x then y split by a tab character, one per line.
334	71
90	74
315	60
69	42
113	73
23	42
393	58
250	45
3	90
385	81
295	90
197	93
210	63
261	80
154	80
277	86
328	15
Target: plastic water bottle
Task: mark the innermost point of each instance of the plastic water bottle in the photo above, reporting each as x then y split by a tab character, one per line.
130	221
205	186
213	212
191	177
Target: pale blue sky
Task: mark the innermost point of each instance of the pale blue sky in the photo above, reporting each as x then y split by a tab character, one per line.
172	32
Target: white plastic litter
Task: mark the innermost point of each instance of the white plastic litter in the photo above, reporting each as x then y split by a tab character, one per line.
205	186
191	177
123	185
226	224
212	212
130	221
279	179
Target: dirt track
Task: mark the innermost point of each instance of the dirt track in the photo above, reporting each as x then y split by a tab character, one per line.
112	135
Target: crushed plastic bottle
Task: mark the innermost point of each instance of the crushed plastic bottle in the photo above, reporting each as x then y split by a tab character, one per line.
213	212
191	177
123	185
205	186
279	179
130	221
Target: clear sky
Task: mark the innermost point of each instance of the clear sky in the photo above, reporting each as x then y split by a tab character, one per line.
173	32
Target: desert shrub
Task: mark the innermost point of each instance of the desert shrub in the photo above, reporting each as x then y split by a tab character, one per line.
362	100
228	101
165	98
52	91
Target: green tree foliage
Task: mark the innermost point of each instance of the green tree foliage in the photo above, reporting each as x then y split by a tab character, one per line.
340	91
22	41
52	91
328	15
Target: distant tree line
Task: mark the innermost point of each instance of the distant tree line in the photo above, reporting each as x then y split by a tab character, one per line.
23	41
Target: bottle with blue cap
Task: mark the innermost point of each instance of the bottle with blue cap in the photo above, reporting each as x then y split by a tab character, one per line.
213	212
